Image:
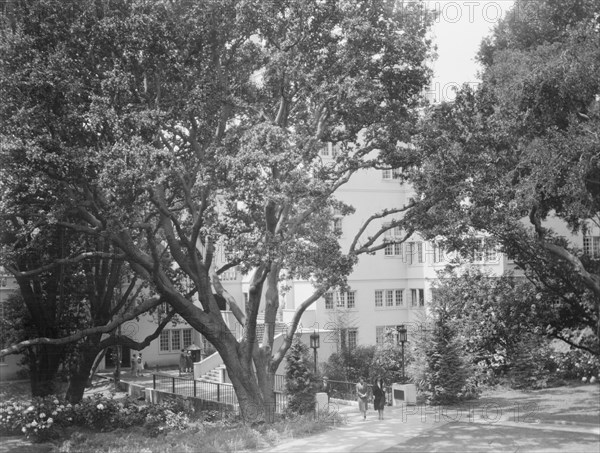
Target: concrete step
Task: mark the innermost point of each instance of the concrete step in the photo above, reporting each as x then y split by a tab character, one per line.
213	375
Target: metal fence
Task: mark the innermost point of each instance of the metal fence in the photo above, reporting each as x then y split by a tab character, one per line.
224	393
212	391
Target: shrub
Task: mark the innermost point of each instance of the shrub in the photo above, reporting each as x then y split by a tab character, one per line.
38	420
43	418
441	367
299	379
350	364
575	364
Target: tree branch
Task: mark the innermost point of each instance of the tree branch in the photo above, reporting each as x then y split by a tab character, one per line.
60	262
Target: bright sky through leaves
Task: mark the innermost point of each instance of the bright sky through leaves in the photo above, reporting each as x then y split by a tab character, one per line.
458	32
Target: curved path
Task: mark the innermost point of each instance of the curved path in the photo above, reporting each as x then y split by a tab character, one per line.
563	419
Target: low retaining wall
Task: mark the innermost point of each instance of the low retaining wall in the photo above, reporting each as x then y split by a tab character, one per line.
153	396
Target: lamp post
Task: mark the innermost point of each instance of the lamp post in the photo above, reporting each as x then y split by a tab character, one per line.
314	344
402	335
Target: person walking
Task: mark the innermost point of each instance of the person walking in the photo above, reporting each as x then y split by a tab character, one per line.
182	362
140	365
134	365
326	387
361	392
379	396
189	362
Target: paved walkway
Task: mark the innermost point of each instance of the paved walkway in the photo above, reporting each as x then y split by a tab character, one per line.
565	419
558	420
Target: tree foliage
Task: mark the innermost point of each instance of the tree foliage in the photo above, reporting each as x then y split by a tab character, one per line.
177	130
522	149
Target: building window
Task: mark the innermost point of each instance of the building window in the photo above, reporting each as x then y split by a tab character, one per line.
187	337
417	297
345	299
379	334
393	297
176	340
352	338
389	298
410	247
393	250
420	255
348	338
170	340
351	300
482	252
438	254
399	300
337	225
392	235
329	301
330	150
164	344
379	298
591	246
391	174
491	254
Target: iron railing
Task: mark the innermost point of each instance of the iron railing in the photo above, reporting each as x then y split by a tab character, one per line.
224	393
212	391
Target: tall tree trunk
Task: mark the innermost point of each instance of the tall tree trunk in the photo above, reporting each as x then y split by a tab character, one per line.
44	362
79	377
266	380
249	395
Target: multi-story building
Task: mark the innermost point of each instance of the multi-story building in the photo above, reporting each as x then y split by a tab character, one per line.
394	286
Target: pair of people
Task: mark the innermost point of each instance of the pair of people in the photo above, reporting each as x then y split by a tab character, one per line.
186	362
137	365
362	392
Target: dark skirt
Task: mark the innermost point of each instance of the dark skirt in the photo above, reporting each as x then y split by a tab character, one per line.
379	402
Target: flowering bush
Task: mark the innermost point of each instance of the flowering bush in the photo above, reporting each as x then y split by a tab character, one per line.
42	418
576	364
38	420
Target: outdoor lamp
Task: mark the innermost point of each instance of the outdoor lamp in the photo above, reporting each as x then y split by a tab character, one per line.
402	336
402	333
314	344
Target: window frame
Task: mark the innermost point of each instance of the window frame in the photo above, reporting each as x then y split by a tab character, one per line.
378	298
591	246
417	297
182	334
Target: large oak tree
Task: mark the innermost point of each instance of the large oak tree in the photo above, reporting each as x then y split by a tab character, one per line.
170	129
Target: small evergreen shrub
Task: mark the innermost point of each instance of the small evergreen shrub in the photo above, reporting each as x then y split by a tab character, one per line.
440	366
531	364
299	379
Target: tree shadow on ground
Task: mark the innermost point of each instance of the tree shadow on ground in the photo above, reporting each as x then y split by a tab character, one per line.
471	437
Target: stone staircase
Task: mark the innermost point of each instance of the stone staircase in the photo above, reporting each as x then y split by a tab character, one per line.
219	373
215	375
